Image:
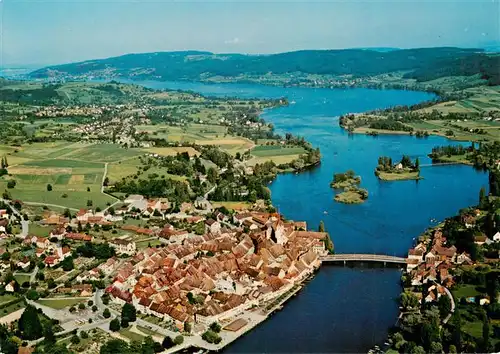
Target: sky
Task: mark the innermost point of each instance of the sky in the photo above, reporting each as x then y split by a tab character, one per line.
60	31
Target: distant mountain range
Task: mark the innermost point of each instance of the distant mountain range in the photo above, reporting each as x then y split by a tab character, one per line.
422	64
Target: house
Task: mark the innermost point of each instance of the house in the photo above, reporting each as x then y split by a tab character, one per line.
4	214
51	261
123	246
212	226
430	258
42	242
496	237
58	233
469	221
11	287
24	263
203	204
416	254
173	236
463	258
63	252
480	240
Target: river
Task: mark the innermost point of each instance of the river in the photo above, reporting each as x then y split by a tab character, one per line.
348	309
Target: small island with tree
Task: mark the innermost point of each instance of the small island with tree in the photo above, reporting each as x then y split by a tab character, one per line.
349	182
406	169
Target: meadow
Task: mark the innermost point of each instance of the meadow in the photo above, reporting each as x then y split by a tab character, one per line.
73	171
276	153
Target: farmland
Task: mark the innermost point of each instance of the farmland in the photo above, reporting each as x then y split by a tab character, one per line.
73	181
277	154
475	117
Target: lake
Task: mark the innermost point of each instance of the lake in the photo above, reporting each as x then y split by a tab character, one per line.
348	309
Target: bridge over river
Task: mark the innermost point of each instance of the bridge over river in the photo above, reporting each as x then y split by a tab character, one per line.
363	258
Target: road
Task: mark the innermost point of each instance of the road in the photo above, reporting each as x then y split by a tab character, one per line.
452	305
210	191
104	176
51	205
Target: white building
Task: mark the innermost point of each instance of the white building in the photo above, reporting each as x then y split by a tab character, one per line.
123	246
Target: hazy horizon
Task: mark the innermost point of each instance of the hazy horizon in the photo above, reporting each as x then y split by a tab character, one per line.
39	32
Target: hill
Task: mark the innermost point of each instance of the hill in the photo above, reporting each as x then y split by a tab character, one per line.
422	64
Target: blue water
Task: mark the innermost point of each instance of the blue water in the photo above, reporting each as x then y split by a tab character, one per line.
343	309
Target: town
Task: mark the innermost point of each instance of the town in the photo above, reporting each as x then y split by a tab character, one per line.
197	270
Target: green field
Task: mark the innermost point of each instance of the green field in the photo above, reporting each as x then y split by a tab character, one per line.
126	168
278	154
274	150
127	333
464	291
13	307
6	298
70	168
399	176
22	278
59	304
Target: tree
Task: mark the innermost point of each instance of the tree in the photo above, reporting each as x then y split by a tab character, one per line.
178	340
321	227
94	308
115	346
49	336
444	305
49	187
486	334
483	200
418	350
167	342
32	294
148	346
452	349
417	164
211	337
106	313
124	323
29	324
408	300
81	306
114	325
84	335
215	327
67	264
129	312
212	175
436	347
187	327
89	203
75	339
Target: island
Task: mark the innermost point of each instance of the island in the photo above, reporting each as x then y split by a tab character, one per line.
349	183
403	170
